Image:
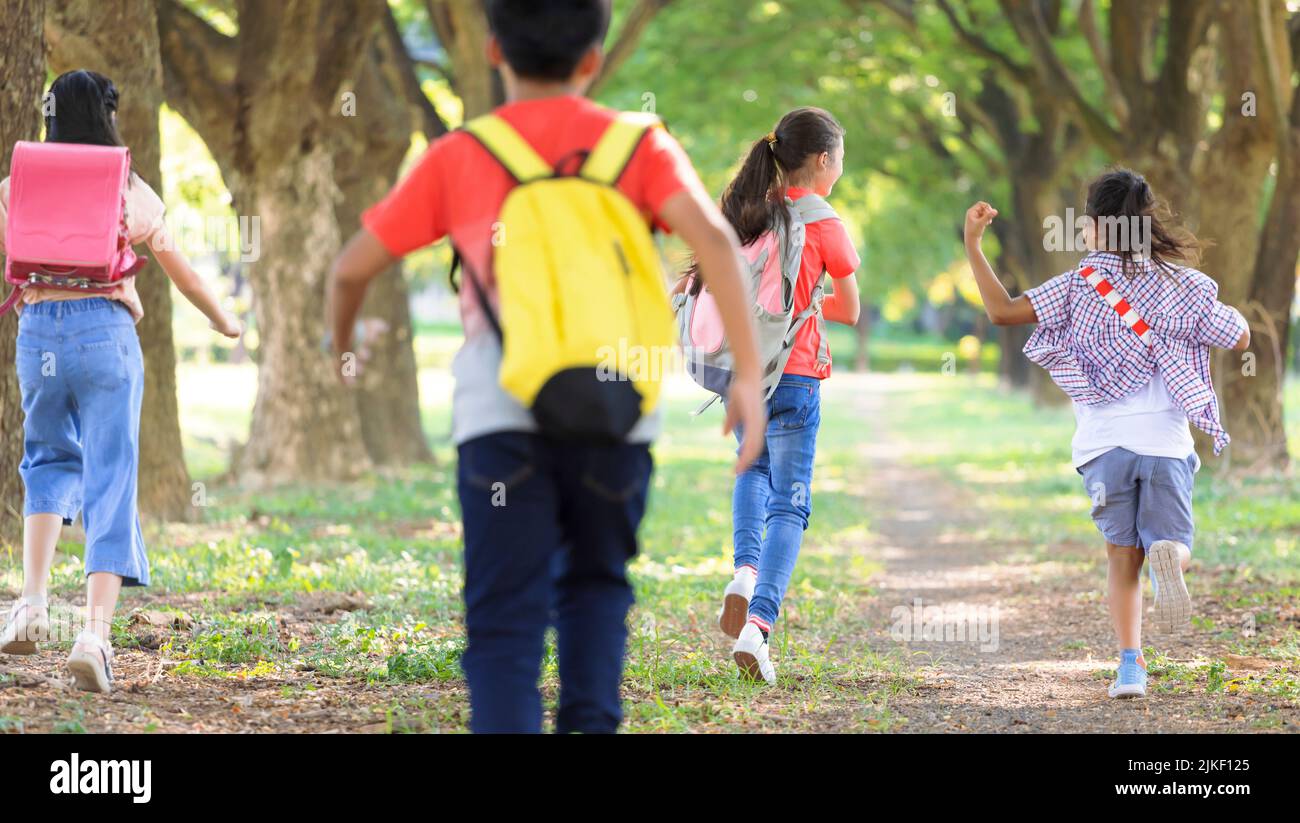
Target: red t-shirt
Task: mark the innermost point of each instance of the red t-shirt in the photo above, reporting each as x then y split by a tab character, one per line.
827	247
457	188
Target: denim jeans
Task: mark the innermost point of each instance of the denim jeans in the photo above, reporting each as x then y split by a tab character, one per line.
82	379
549	529
773	498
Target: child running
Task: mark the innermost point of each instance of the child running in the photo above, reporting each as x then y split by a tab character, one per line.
81	375
772	500
549	523
1134	386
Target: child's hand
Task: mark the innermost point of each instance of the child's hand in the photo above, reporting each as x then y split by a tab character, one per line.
978	218
745	408
228	325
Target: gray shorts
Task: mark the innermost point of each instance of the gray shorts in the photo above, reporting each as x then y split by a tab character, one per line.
1137	500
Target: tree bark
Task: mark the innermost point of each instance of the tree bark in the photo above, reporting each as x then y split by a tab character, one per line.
290	77
22	79
1253	397
119	38
368	150
862	338
265	102
462	28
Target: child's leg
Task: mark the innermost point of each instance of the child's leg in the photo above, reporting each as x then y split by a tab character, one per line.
605	490
510	508
791	445
1167	528
102	589
51	468
108	383
749	513
1124	579
40	537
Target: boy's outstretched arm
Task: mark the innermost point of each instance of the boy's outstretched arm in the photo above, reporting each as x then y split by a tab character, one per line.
999	305
694	218
360	261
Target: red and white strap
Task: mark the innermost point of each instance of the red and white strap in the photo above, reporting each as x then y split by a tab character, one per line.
1116	300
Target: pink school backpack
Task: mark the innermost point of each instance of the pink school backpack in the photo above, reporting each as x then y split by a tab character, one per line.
67	219
775	260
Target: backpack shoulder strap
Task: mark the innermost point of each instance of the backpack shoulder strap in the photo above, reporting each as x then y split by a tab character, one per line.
1103	286
813	208
614	150
508	147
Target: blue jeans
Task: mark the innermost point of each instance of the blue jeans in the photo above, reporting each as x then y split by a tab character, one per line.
773	498
549	529
82	380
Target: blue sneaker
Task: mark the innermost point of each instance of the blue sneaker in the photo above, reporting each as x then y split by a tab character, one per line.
1131	679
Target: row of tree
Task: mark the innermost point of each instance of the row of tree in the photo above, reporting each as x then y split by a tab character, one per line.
1021	102
1017	101
308	108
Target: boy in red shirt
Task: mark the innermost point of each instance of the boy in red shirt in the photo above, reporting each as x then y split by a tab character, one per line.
559	547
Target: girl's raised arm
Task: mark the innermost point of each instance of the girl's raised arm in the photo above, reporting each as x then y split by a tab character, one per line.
999	305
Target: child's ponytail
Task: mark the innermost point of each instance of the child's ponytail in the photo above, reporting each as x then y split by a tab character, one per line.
754	202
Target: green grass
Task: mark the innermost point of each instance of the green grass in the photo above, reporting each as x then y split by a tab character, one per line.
252	574
253	567
1015	458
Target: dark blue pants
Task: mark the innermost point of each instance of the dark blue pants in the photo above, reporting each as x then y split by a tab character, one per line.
549	530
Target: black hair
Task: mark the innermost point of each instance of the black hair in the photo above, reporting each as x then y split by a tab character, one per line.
546	39
81	106
754	202
1125	194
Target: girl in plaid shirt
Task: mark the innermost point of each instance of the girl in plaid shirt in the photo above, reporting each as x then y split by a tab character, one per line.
1127	336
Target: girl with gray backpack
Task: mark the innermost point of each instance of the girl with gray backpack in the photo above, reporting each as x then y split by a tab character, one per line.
792	240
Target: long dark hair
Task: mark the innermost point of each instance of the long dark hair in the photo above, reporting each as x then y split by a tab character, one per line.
754	202
84	103
1125	194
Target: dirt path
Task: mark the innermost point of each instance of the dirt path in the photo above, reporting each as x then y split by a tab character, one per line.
1038	652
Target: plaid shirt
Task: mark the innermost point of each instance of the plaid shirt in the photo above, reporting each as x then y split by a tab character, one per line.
1095	358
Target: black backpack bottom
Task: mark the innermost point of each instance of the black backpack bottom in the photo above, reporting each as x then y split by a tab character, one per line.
577	404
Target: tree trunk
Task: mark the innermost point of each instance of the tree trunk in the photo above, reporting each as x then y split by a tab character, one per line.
120	39
862	336
462	28
290	79
22	78
368	151
1253	403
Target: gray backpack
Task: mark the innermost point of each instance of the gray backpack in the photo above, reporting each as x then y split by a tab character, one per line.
774	260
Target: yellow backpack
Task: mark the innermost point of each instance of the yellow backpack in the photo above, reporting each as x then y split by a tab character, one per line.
585	320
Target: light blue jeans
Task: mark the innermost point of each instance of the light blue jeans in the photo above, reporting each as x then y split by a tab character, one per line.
773	498
82	379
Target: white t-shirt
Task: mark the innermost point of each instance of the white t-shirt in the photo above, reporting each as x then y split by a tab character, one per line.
1148	422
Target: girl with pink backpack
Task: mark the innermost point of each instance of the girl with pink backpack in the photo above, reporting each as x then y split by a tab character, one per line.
69	216
792	241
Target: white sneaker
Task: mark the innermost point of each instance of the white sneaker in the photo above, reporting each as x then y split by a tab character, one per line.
91	663
735	602
750	653
1173	603
28	623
